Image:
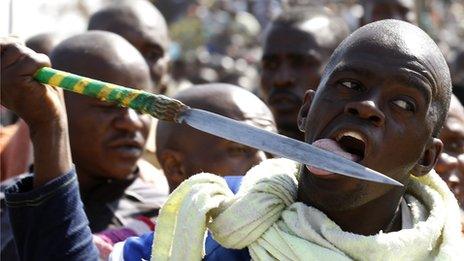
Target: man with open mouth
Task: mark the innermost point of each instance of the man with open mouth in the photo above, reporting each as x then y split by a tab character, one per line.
381	102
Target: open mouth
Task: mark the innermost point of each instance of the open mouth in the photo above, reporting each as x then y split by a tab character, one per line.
353	143
127	148
128	151
348	144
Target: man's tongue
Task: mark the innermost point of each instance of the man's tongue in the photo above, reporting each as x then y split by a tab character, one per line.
332	146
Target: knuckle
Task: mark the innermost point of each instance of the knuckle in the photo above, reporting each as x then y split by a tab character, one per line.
43	59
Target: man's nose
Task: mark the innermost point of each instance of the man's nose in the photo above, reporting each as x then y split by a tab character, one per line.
368	110
128	119
284	76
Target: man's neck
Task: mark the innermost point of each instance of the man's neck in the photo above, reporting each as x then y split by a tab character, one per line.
86	180
95	188
89	180
383	213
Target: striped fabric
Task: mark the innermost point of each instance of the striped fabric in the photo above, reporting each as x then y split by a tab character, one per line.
136	227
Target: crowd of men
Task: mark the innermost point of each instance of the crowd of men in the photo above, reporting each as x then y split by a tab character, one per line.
83	179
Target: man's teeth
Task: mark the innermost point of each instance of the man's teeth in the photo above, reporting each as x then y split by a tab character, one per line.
352	134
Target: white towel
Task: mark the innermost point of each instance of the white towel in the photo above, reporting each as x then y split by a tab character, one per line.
264	217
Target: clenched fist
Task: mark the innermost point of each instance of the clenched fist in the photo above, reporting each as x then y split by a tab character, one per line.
34	102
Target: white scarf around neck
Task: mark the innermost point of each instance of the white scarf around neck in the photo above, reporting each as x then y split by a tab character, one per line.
264	217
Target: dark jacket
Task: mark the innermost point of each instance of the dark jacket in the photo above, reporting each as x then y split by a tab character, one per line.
49	223
108	205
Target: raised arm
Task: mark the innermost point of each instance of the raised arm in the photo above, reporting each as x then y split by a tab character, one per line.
45	211
39	105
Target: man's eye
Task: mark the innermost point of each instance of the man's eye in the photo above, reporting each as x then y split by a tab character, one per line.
405	105
153	55
351	85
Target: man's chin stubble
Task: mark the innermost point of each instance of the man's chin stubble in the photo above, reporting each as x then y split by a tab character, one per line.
340	201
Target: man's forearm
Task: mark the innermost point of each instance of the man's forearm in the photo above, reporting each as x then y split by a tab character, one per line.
52	154
45	210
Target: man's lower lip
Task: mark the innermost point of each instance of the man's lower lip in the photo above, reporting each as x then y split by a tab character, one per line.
126	151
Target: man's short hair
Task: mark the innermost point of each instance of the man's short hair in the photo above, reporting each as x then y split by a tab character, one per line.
295	16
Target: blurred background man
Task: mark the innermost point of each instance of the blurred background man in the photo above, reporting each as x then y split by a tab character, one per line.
297	46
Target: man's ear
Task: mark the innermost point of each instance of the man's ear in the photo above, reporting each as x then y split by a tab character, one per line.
303	113
171	162
429	157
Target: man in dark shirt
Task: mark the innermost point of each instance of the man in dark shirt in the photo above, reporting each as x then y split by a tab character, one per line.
107	142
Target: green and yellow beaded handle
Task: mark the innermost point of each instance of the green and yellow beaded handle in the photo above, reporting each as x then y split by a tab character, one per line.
158	106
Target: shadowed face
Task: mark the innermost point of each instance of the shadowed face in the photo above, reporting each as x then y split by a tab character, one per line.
140	23
208	153
293	58
106	140
373	111
191	151
375	10
152	43
451	162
